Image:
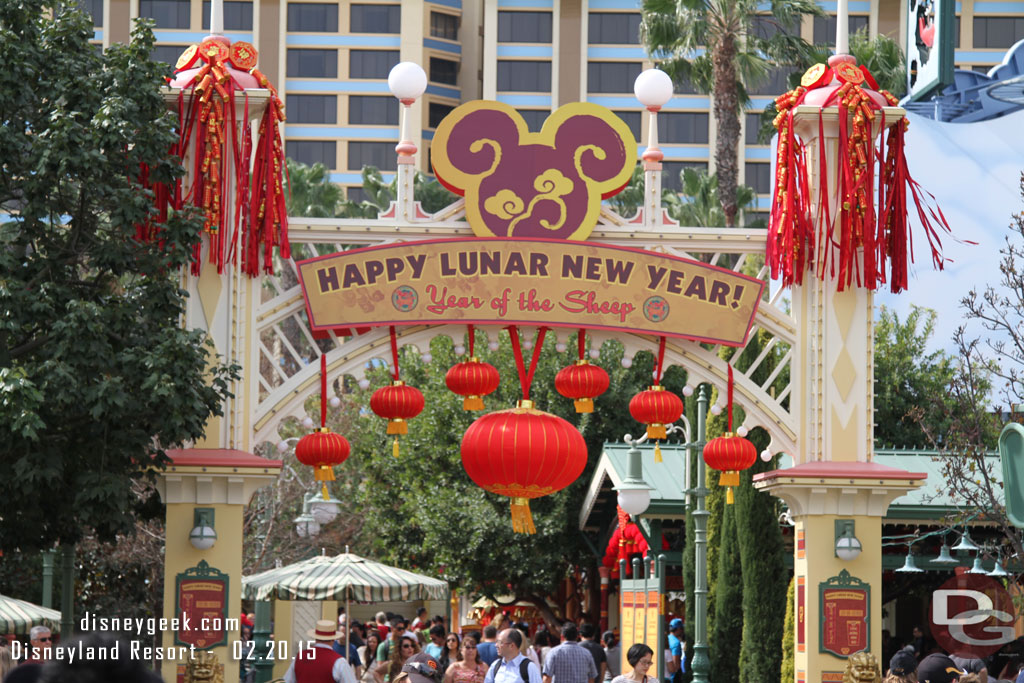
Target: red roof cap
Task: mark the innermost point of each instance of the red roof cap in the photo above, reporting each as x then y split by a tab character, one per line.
831	469
218	457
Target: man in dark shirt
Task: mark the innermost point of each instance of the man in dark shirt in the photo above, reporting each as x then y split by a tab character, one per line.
587	635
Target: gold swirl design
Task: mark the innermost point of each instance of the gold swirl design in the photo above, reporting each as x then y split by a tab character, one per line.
478	145
505	204
552	185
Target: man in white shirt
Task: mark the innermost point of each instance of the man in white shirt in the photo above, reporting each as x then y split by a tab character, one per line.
511	666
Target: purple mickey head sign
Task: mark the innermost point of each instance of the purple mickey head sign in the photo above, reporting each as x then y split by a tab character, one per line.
522	184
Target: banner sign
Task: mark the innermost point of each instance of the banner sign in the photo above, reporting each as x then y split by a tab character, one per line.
845	606
548	282
202	605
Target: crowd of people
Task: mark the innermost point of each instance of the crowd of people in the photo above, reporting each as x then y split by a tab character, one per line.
918	659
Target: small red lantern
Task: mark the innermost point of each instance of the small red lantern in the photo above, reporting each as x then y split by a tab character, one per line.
322	450
523	453
656	408
472	379
729	454
398	403
582	382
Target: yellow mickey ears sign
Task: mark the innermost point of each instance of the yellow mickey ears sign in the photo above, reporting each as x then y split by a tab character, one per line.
522	184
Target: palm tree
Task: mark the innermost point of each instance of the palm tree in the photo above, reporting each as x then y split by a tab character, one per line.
311	192
723	47
431	195
698	204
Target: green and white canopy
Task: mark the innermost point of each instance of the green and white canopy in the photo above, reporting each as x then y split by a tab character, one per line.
342	577
18	616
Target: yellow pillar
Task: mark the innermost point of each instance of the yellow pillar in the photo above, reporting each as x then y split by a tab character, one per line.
222	481
834	484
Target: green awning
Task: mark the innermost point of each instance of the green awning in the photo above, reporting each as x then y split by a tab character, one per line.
342	577
19	616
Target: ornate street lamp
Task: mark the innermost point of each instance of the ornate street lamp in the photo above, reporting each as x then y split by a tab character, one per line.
634	492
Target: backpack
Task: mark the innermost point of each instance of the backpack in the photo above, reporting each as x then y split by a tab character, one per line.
524	669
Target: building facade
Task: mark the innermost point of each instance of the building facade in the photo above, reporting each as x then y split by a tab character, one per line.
330	61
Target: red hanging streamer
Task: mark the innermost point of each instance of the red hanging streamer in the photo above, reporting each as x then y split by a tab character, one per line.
729	394
526	378
867	242
394	353
661	359
323	390
472	340
581	342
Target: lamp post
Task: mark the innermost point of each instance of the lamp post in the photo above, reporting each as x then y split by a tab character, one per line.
701	665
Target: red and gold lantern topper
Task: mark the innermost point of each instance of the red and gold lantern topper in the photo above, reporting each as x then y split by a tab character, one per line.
582	382
866	242
656	407
323	449
216	141
729	454
397	402
472	379
523	453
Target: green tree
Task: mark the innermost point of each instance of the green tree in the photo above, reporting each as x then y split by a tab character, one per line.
97	375
716	45
787	669
311	192
908	380
431	194
727	631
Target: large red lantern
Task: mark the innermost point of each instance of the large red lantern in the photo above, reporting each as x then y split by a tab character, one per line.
523	453
397	402
472	379
582	382
729	454
656	407
323	449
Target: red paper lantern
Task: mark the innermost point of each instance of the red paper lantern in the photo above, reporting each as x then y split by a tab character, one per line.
397	403
472	379
656	408
582	382
729	455
322	450
523	453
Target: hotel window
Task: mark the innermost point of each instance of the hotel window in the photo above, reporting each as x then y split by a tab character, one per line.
683	127
631	119
379	154
312	63
436	113
94	8
166	13
997	32
616	28
535	118
311	152
758	176
444	71
168	54
444	26
617	77
825	28
356	194
756	219
375	19
671	171
381	110
313	17
524	27
312	108
237	15
524	76
751	128
371	63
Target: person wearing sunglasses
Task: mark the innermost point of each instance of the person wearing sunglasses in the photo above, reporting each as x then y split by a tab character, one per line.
41	640
389	669
398	629
451	652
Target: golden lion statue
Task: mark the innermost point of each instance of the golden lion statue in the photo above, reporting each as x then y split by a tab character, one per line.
204	668
862	667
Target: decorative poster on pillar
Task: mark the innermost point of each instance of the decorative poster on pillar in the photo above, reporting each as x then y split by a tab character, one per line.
845	603
201	595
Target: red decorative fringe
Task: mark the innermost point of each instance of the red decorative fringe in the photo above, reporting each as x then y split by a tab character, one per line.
868	241
221	158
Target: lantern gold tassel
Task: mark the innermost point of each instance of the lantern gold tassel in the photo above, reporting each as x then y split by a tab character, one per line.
729	478
656	431
394	448
472	403
324	473
729	497
522	520
657	451
398	426
584	405
324	493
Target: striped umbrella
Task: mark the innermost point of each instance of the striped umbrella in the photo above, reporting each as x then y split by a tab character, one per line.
342	577
18	616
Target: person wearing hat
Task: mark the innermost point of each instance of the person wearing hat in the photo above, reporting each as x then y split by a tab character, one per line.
675	646
938	668
320	663
420	668
902	666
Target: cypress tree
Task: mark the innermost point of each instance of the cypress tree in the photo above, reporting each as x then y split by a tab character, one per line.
787	672
729	618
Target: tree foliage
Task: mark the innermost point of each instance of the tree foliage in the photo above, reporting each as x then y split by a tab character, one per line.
718	47
910	379
311	193
727	633
96	373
